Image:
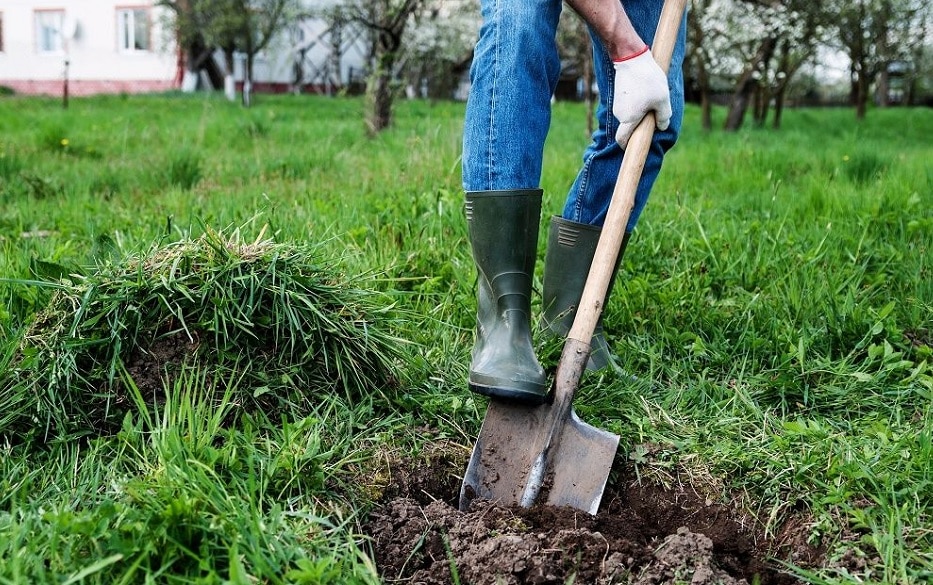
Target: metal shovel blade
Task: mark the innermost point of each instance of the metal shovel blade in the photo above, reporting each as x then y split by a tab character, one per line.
516	456
581	465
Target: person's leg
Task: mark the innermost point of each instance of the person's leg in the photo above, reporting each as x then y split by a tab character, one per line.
515	70
514	74
589	196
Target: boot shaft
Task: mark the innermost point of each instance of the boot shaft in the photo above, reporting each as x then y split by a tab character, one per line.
503	230
570	251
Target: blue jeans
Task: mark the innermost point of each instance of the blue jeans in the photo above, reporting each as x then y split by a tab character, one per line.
514	74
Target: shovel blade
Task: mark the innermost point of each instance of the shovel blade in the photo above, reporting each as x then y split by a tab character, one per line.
580	466
510	443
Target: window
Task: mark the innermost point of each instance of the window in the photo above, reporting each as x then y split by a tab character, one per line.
49	31
133	29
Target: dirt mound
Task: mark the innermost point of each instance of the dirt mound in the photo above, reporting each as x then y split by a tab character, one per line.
644	534
491	544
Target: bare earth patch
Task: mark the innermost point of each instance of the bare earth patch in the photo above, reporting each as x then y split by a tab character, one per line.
644	534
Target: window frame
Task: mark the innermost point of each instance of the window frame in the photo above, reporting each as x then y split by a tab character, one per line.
39	29
1	31
126	44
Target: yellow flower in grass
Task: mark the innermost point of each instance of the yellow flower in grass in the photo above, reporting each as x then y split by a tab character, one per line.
64	142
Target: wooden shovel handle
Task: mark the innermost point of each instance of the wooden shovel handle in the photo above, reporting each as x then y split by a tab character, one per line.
623	195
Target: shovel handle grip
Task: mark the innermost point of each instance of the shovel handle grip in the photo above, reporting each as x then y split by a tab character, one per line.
623	195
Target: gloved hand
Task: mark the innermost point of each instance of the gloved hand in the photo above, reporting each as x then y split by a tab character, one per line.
640	87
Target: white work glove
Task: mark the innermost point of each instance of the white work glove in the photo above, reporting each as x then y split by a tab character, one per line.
640	87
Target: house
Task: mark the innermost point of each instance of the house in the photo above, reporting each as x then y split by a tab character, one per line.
127	46
98	46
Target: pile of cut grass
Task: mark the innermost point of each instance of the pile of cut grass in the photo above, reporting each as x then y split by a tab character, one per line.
277	320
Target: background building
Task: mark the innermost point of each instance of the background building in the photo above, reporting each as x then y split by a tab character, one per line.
106	46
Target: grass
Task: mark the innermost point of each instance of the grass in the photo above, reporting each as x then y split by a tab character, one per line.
289	327
182	494
776	301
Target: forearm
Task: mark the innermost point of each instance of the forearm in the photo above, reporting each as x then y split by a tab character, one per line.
608	19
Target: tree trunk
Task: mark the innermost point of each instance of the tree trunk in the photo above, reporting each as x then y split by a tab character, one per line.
229	82
380	100
706	106
785	71
706	110
379	91
248	78
698	57
762	102
386	22
883	91
756	105
747	85
196	54
861	100
736	115
861	92
778	106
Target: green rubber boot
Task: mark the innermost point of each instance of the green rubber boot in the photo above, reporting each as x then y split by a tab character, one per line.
503	228
570	250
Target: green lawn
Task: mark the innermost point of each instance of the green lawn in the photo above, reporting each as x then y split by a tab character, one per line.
778	295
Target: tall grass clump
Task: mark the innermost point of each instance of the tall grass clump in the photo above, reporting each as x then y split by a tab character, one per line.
183	169
192	490
864	166
10	165
278	316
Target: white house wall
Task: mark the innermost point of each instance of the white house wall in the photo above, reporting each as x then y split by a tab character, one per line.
275	65
96	64
95	61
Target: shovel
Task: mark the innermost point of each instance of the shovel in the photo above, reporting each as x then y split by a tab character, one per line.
523	452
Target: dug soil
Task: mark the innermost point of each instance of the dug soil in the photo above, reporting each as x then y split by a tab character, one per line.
644	533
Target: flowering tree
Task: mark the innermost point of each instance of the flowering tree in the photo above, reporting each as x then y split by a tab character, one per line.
874	34
247	26
703	51
755	47
761	44
783	34
440	47
387	22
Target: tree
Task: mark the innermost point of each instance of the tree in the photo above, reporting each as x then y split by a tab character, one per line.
188	24
576	51
919	74
803	28
874	34
858	21
731	43
439	48
759	23
221	25
699	56
771	38
387	22
246	26
260	21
